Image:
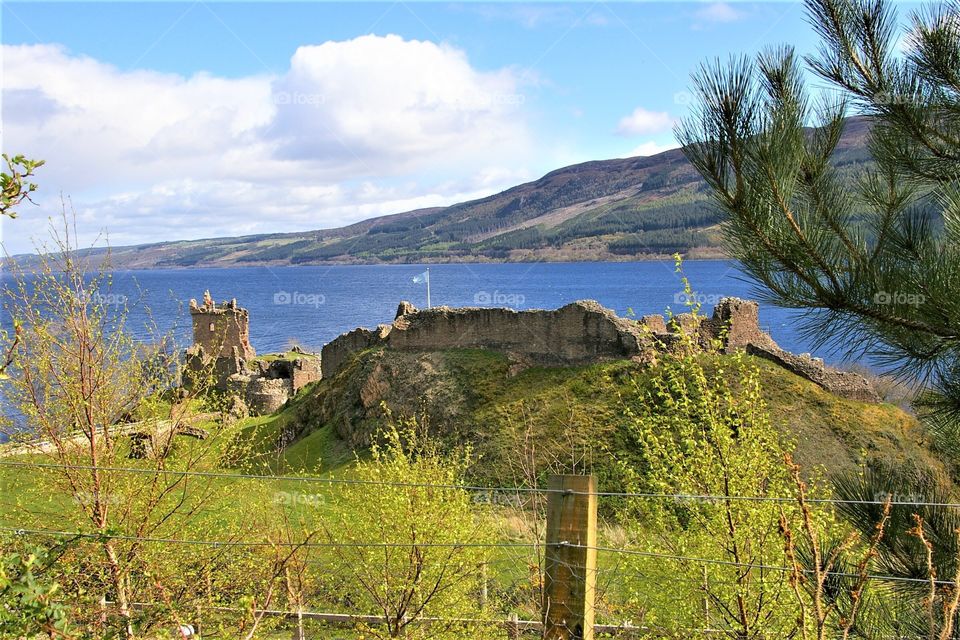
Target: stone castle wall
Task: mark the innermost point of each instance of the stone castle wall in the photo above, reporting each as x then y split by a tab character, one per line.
582	332
335	354
578	333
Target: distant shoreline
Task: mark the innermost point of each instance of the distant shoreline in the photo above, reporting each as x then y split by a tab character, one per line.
702	255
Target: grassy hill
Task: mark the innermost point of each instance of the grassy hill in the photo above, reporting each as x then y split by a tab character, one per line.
521	424
573	416
603	210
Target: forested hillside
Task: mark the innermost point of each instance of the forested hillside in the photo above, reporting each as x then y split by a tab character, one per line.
631	208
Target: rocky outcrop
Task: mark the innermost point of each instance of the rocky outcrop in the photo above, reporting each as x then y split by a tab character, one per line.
845	384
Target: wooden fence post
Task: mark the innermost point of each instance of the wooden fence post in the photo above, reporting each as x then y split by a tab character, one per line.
513	627
571	558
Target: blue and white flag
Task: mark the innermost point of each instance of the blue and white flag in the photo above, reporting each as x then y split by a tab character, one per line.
423	277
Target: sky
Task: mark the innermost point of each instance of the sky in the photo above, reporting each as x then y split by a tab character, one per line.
171	121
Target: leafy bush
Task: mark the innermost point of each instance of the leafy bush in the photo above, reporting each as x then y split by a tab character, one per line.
28	603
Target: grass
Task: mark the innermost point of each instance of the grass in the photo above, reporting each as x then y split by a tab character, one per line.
572	414
572	417
289	355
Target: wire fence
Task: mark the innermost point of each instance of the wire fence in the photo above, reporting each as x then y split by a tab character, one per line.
512	569
475	488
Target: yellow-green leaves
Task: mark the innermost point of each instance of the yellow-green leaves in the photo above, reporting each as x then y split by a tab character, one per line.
14	186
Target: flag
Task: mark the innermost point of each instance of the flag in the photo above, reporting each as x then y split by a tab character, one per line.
423	277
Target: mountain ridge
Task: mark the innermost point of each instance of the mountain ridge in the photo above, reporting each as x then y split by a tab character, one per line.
618	209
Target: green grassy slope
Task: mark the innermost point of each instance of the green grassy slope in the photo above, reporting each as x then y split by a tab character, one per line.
521	421
571	416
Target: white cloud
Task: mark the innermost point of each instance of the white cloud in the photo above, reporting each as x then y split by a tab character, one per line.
200	208
643	122
100	126
387	103
155	156
651	149
718	12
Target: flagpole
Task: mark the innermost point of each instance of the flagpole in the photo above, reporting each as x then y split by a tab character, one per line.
428	288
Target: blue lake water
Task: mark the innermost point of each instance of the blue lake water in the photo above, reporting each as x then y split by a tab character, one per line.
312	305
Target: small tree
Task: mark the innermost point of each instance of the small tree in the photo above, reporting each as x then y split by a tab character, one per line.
700	427
14	189
80	386
873	258
15	186
830	571
410	551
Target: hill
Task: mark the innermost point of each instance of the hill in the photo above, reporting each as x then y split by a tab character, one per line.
619	209
542	415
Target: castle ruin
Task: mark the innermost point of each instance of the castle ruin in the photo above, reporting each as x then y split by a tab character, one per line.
579	333
221	330
584	332
223	359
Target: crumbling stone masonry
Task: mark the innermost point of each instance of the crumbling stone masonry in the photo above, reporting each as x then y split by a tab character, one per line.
584	332
223	359
221	329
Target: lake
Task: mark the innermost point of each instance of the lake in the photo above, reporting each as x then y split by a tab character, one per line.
311	305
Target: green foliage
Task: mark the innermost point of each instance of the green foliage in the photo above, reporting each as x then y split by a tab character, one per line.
876	266
701	427
880	258
921	499
84	391
15	187
29	604
427	542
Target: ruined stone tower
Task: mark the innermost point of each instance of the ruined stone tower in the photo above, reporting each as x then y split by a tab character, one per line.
221	328
223	359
